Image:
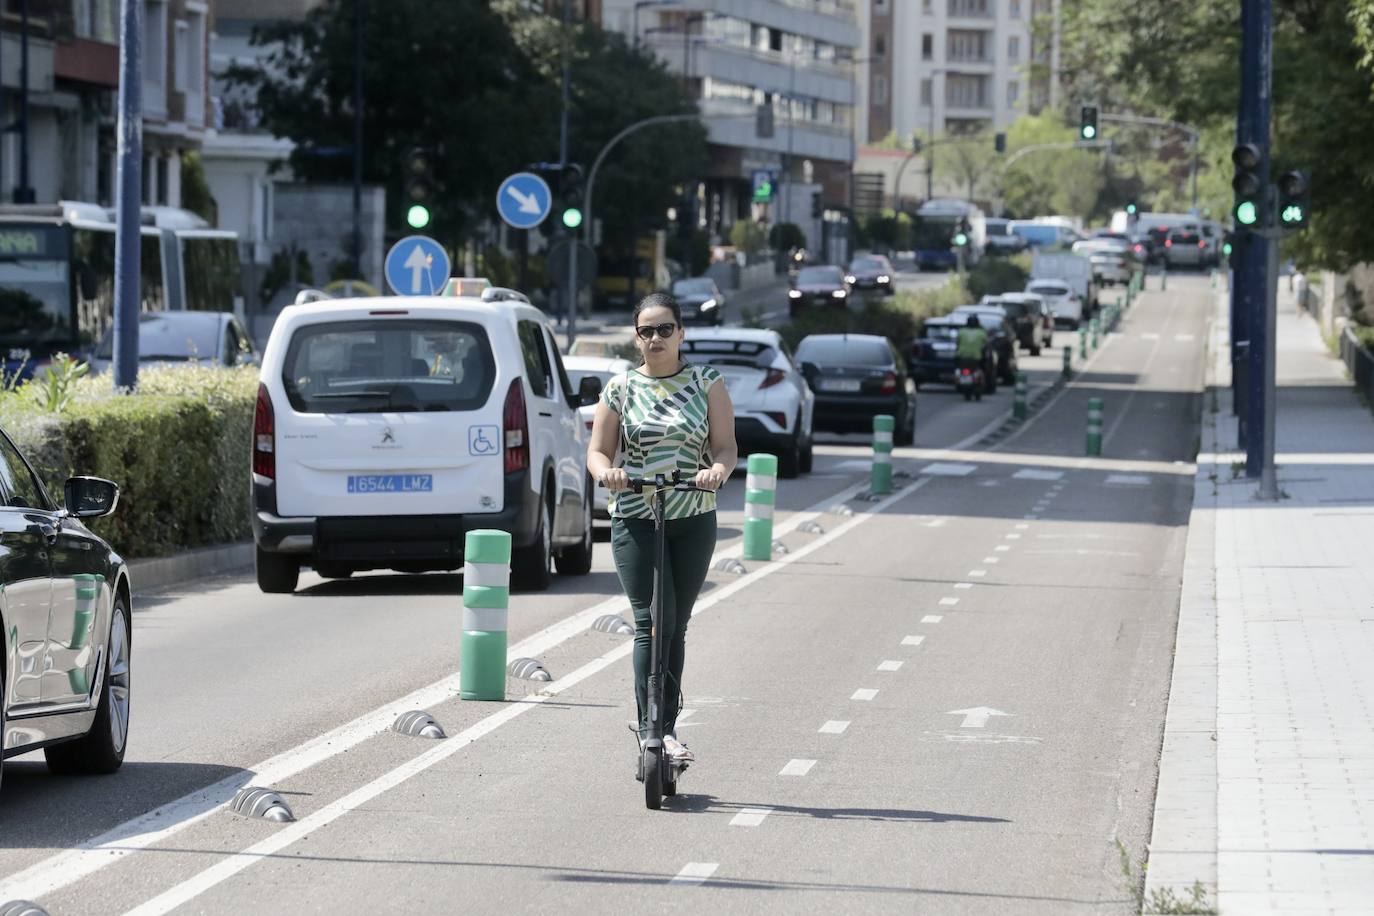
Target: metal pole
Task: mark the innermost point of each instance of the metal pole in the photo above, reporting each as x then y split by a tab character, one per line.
787	162
358	139
1269	484
569	294
930	156
1256	80
24	194
130	179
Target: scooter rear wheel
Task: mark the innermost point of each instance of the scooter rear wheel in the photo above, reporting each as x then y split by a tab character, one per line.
670	784
653	778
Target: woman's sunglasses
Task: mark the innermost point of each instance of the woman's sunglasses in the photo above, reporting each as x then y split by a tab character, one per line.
646	332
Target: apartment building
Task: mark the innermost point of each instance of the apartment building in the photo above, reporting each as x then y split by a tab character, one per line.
64	108
793	56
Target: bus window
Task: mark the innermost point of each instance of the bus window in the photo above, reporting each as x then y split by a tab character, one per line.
93	258
210	268
153	296
35	292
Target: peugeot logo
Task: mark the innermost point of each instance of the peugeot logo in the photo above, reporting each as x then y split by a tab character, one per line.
387	436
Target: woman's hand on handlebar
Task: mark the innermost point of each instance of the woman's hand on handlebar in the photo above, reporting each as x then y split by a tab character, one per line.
615	480
709	478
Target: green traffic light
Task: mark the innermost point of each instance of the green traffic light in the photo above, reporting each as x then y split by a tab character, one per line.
1246	213
1130	209
1089	132
1226	248
1292	214
417	216
572	217
960	240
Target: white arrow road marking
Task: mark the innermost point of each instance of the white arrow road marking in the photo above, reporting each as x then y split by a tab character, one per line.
976	717
797	768
529	203
417	264
834	727
750	817
695	873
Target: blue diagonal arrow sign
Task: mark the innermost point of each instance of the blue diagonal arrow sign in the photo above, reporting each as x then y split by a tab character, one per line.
524	200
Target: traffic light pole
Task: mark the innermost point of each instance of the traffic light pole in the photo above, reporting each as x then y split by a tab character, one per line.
1251	290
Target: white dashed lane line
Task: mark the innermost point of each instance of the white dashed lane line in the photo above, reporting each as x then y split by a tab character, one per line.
695	873
834	727
1015	537
750	817
890	665
864	693
1002	548
1022	527
992	561
977	573
929	618
797	768
917	640
963	585
948	602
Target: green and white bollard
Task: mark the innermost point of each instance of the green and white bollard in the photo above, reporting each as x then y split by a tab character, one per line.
1094	329
760	495
1094	427
881	479
1018	404
486	596
1068	362
1082	342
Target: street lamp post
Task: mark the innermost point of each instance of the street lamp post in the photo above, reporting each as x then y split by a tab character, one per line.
930	156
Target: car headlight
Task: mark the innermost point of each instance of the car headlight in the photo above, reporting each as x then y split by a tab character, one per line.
839	293
884	279
708	304
794	294
851	279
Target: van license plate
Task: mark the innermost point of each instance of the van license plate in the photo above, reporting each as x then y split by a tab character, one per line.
840	384
391	483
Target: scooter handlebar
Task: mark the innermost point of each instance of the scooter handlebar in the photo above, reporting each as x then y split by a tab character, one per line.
664	482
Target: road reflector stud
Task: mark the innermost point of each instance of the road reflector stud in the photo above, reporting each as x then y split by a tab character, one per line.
779	548
486	597
613	624
1018	404
842	510
880	480
529	669
760	495
811	528
22	908
418	724
254	801
1094	427
730	565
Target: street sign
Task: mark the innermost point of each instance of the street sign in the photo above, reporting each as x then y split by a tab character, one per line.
417	266
560	252
523	200
765	182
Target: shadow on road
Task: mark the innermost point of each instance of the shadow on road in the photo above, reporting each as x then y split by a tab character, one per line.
709	804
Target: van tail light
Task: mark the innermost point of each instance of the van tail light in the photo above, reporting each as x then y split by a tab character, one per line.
776	417
517	429
264	436
590	423
889	383
1168	243
1201	243
773	377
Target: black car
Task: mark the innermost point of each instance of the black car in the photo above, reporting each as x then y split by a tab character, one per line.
1000	335
857	377
64	611
700	299
872	271
822	286
931	357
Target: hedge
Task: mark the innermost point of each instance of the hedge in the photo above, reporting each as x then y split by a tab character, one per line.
897	318
178	448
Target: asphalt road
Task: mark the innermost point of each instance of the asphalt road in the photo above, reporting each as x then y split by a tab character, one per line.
949	701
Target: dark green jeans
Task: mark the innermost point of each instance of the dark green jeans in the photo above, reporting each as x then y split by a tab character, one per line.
688	545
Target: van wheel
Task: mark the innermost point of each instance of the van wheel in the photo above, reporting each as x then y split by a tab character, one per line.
101	750
277	573
530	565
577	560
808	454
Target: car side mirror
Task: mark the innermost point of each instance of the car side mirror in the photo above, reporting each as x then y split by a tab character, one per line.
90	497
588	390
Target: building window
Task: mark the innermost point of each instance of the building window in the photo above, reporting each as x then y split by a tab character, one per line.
181	56
978	8
879	45
927	46
879	90
155	57
1013	93
925	92
1014	48
1015	9
927	7
966	46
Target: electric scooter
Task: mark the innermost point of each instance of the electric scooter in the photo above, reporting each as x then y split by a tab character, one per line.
969	382
655	769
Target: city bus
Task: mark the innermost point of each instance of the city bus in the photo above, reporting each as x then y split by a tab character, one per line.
57	276
937	222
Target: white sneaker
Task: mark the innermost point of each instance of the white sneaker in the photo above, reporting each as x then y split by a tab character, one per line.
676	750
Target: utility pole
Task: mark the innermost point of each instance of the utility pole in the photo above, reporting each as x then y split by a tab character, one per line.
357	247
130	180
1249	298
570	294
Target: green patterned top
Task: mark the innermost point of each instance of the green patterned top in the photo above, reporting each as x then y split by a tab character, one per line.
665	428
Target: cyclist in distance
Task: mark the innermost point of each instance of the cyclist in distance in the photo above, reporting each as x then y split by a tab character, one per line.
666	415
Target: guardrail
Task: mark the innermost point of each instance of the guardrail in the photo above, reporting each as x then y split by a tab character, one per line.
1360	362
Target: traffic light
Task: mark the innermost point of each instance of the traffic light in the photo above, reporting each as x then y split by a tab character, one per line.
1248	186
961	234
817	207
1087	123
1132	209
419	186
1293	200
999	142
570	196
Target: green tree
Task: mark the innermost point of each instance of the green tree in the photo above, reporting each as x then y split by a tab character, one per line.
195	190
1068	182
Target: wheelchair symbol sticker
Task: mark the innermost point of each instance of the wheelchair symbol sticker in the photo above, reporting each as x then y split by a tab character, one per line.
483	440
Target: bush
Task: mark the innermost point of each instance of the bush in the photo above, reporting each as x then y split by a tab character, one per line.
1364	334
785	236
749	237
994	276
897	318
179	450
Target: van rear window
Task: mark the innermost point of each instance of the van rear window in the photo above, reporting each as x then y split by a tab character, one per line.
395	366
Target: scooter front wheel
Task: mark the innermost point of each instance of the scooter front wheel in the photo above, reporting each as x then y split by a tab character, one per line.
653	778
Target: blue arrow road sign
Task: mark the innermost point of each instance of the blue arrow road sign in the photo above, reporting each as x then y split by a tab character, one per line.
523	200
417	266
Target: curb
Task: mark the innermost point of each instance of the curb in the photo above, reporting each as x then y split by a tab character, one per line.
160	572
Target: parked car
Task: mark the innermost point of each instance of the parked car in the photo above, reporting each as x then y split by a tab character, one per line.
822	286
1028	318
603	369
1186	248
855	378
701	300
388	428
65	613
168	338
872	271
1065	305
1000	334
931	357
774	407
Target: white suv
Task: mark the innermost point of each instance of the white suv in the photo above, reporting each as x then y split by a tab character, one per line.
388	428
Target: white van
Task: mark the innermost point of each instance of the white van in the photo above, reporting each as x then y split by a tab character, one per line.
387	428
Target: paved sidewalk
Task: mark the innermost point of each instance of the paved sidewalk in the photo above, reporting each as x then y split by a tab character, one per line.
1266	792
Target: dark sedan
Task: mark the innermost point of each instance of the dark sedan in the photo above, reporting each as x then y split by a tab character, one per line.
701	301
64	607
857	377
874	272
822	286
1003	339
932	354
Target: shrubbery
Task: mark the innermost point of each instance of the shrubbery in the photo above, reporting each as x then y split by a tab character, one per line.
994	276
897	318
179	450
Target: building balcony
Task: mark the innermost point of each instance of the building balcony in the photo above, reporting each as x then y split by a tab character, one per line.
731	122
766	70
833	21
